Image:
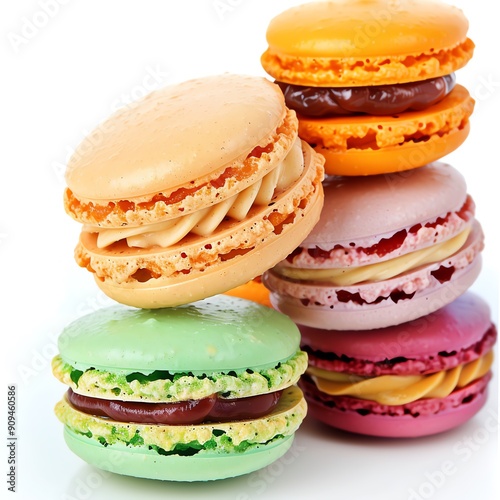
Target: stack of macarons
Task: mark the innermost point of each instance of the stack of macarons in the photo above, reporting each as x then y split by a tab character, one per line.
379	288
197	194
190	192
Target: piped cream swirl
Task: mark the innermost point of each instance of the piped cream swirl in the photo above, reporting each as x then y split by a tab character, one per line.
395	390
205	221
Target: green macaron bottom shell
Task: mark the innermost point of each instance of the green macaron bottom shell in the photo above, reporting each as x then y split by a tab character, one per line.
174	451
204	466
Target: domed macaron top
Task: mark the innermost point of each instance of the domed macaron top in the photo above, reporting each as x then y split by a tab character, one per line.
217	334
359	207
454	327
175	135
340	28
328	43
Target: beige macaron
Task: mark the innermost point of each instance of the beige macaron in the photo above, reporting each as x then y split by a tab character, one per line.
194	190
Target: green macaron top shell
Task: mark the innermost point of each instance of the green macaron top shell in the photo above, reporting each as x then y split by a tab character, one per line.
218	334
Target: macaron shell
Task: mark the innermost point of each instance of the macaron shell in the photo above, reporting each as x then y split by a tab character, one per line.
406	156
217	334
164	387
175	135
357	208
131	462
405	27
369	145
298	300
404	426
366	42
174	201
456	326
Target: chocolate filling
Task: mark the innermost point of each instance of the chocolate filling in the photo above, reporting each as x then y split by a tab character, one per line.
372	100
210	409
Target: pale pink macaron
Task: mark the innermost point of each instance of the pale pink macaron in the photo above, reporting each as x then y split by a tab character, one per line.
387	249
418	378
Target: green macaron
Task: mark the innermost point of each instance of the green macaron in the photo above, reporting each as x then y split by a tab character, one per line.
197	392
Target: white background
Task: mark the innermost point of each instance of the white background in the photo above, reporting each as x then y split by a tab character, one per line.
66	65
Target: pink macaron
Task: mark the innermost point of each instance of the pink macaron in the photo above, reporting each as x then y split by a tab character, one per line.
418	378
387	249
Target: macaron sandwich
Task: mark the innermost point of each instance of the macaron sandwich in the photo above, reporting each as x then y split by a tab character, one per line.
192	191
398	346
216	187
189	193
373	81
196	392
387	249
419	378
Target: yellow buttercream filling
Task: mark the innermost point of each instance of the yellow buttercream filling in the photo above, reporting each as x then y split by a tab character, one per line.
381	270
401	389
205	221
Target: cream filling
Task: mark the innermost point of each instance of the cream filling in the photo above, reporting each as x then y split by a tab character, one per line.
381	270
205	221
401	389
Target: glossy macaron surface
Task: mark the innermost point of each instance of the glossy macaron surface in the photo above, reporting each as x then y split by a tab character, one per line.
455	327
216	334
401	28
430	35
175	135
362	209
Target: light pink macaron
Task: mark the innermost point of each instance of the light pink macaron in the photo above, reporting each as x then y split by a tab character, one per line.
419	378
386	250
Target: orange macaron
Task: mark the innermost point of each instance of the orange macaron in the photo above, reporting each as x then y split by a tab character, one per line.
253	290
373	81
192	191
